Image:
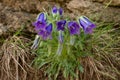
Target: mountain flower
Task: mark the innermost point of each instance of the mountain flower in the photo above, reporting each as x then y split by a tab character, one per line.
86	24
46	33
73	27
61	25
60	11
56	10
40	23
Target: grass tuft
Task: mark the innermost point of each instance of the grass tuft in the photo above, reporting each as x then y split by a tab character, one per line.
15	61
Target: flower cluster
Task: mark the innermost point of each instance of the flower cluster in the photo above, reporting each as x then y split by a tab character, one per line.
44	25
55	10
43	28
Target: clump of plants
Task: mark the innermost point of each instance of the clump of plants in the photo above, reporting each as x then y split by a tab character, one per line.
61	43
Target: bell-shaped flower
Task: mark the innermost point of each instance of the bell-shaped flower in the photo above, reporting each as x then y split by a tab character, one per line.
86	24
40	23
60	37
56	10
73	27
61	25
46	33
60	11
36	42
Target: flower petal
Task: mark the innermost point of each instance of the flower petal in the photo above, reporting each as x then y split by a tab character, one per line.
54	10
39	25
49	28
60	11
46	33
41	17
61	25
73	27
86	24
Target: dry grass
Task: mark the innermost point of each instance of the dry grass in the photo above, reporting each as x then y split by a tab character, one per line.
105	63
15	61
106	68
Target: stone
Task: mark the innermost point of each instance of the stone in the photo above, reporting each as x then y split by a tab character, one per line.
110	2
78	4
12	20
94	10
23	5
115	3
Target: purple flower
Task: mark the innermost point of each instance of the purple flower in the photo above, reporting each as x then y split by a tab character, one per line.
40	23
86	24
73	27
55	10
61	25
60	11
46	33
41	17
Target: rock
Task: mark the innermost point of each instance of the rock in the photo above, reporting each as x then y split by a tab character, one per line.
110	2
78	5
115	2
12	20
23	5
29	6
95	11
16	13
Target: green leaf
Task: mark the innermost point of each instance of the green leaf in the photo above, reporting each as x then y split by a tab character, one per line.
73	73
81	68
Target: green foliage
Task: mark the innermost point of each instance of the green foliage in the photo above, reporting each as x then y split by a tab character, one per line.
70	58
